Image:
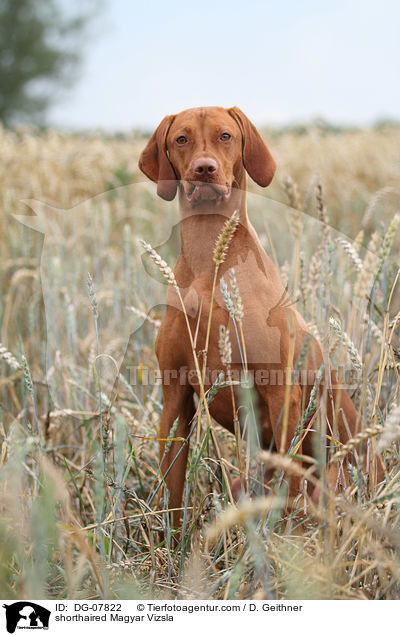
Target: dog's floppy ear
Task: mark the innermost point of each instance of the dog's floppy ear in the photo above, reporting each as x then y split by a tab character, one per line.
155	164
257	159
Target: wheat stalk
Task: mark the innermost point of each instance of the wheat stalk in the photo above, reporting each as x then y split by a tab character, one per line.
352	443
29	387
156	323
220	252
161	264
237	303
225	238
391	430
351	349
350	251
9	358
224	346
365	277
292	192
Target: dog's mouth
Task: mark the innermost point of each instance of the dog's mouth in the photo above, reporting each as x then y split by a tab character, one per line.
197	193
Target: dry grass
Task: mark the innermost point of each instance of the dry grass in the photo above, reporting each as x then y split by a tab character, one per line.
81	506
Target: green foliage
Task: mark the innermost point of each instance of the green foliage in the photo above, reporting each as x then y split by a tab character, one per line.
39	51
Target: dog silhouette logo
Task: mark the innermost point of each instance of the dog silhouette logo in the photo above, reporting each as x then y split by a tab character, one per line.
26	615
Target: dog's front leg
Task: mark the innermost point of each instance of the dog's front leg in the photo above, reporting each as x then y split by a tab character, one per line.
177	403
283	426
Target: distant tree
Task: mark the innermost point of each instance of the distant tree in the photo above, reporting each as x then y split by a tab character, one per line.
40	50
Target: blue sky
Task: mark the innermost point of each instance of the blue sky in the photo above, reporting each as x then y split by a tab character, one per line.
280	61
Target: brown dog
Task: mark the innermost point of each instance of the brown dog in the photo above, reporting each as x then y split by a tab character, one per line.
204	153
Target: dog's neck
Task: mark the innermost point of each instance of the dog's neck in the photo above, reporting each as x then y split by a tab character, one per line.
201	226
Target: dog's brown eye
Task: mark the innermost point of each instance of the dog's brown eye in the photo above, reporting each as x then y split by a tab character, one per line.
225	136
181	140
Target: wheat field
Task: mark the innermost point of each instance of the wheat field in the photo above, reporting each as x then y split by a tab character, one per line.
80	497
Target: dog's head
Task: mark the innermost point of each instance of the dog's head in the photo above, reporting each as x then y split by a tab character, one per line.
206	151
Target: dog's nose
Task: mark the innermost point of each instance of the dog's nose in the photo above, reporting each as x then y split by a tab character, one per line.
204	166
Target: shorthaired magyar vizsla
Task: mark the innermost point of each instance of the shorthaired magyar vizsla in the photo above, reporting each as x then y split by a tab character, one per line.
204	154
